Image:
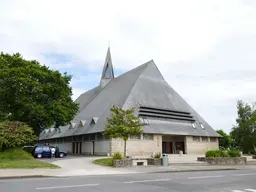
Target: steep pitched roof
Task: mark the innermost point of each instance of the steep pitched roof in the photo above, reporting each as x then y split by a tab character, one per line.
151	90
142	86
84	99
114	93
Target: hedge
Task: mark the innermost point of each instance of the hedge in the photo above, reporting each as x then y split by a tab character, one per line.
222	153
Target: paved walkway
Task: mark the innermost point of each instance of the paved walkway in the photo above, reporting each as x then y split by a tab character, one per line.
76	166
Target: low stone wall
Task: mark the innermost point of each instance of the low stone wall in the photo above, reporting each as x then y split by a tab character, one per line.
133	162
201	158
123	163
227	160
254	156
155	161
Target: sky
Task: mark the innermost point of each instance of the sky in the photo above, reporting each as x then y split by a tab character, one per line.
205	49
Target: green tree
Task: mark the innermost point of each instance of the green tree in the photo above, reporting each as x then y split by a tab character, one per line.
123	124
244	132
34	94
15	134
225	141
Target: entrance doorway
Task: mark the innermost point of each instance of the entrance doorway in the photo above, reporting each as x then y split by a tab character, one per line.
167	147
173	144
179	146
77	148
93	145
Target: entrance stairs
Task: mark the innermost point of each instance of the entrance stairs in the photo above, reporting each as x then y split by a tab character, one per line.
185	159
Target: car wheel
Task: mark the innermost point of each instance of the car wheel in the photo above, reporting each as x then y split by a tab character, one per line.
39	156
61	155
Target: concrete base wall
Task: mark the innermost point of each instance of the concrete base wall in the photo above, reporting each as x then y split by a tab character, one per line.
138	148
200	147
87	148
100	147
67	146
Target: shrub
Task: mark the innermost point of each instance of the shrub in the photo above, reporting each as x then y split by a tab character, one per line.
15	154
234	153
157	155
15	134
117	156
223	153
216	153
211	153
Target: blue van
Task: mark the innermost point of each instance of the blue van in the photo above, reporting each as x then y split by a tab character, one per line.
44	151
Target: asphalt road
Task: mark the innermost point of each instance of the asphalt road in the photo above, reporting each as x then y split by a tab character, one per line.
214	181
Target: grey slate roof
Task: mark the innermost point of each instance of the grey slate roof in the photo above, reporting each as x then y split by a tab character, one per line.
84	99
142	86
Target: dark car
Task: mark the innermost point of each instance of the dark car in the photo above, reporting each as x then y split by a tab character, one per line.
28	148
44	151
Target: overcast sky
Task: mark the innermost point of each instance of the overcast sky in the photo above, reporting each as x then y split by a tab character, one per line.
205	49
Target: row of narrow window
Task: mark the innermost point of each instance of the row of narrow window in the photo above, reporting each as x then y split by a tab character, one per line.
145	120
73	125
82	123
194	125
204	139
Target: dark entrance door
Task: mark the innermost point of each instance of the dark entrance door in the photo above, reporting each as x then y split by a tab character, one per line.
180	146
164	147
93	148
73	147
167	147
171	150
80	147
77	147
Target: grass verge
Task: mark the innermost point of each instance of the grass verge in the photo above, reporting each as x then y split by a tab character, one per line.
18	158
25	163
104	161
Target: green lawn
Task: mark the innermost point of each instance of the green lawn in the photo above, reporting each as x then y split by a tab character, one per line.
18	158
104	161
25	163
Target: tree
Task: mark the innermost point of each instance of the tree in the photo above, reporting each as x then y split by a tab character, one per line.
123	124
15	134
244	132
34	94
225	141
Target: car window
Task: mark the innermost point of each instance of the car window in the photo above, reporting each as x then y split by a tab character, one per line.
38	149
46	148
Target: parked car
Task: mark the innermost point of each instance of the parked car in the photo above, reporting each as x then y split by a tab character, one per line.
29	148
44	151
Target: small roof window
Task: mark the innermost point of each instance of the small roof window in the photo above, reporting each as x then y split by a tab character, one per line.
51	130
193	125
82	123
202	126
94	120
145	120
72	125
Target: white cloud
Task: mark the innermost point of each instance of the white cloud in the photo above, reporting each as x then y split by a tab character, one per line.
205	49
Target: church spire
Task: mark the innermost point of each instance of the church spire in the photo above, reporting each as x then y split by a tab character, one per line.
108	71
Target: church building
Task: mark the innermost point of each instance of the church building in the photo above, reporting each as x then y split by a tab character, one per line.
173	126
